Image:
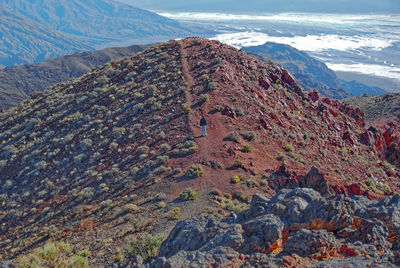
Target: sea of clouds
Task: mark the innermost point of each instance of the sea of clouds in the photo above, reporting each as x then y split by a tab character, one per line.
328	37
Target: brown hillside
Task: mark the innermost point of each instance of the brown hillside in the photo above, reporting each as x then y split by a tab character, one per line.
377	107
99	159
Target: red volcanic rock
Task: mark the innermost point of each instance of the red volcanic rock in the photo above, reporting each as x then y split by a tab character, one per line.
327	101
263	83
228	112
354	189
314	96
313	179
264	124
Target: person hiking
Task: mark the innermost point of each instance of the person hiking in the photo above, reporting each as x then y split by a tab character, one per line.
203	125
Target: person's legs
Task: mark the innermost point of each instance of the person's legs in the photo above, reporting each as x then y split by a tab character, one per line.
203	131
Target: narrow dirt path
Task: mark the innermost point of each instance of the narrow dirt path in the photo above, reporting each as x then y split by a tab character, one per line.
188	92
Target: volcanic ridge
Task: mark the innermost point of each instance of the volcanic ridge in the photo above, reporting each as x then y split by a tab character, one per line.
97	160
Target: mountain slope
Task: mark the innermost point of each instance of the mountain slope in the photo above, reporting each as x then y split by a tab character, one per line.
310	72
377	107
356	88
40	30
99	21
18	82
100	159
23	40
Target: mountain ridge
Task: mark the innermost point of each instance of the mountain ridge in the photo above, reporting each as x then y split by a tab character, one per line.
96	24
116	153
18	82
27	41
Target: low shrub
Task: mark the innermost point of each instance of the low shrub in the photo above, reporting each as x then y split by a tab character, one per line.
247	148
195	171
235	179
288	148
175	214
189	194
249	135
54	254
233	136
144	245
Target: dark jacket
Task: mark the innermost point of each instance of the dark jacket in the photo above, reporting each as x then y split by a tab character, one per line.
203	122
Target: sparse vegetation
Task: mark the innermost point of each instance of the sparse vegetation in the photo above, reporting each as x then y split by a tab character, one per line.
235	179
288	148
54	254
233	136
175	214
195	171
144	245
247	148
249	135
189	194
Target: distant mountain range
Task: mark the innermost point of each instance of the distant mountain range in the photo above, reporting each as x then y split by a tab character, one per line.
270	6
18	82
39	30
24	40
309	72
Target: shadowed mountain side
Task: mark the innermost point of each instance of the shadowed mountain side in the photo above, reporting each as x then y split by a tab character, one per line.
97	21
18	82
24	40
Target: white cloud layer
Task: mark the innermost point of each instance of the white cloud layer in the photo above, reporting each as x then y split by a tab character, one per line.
289	17
306	43
370	69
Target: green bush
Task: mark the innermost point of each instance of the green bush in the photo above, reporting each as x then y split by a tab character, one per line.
54	254
233	136
189	194
165	147
144	245
195	171
238	164
204	98
235	179
175	214
249	135
247	148
288	148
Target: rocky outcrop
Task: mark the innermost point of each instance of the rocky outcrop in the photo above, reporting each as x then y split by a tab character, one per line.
294	228
289	180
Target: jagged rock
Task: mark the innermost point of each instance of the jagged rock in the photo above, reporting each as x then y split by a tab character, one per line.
300	222
7	264
259	205
306	242
314	96
198	233
282	179
264	233
315	180
371	232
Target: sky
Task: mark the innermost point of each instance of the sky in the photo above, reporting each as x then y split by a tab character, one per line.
271	6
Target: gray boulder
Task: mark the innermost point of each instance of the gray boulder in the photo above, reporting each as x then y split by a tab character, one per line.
300	223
